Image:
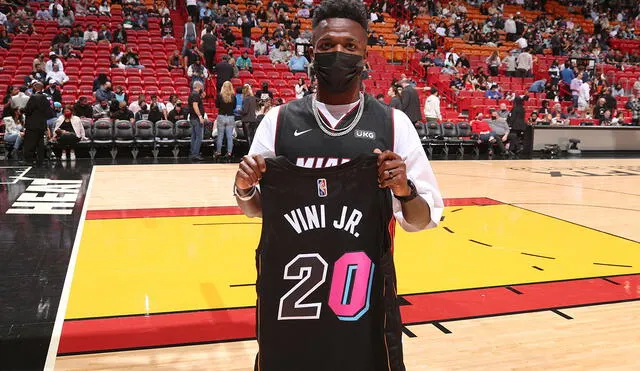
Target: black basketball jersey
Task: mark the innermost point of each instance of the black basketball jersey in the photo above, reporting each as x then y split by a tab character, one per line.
300	139
326	280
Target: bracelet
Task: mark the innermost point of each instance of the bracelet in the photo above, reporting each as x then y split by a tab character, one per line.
252	192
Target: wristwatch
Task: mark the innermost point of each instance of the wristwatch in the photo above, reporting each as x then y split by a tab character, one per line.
411	196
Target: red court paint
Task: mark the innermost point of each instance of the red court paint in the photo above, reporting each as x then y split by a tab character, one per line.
157	330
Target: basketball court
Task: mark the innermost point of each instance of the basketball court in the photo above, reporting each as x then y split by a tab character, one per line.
535	265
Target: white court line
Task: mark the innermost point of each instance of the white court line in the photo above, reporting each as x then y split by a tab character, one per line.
66	290
18	177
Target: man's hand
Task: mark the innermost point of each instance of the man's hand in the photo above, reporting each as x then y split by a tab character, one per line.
250	171
392	173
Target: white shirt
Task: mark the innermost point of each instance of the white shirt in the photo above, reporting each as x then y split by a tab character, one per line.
192	2
406	144
522	43
48	66
59	76
510	26
432	107
584	94
3	18
91	35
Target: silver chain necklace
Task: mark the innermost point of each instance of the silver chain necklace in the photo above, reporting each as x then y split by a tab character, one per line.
327	129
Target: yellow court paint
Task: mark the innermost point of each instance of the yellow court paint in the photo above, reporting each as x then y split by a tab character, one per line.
135	266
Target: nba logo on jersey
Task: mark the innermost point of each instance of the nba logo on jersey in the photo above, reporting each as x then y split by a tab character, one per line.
322	187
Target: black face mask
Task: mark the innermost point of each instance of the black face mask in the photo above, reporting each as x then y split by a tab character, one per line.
337	71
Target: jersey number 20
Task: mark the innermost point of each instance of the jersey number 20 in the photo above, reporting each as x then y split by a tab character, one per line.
350	290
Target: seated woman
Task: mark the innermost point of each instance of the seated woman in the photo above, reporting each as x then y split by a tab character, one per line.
68	131
13	129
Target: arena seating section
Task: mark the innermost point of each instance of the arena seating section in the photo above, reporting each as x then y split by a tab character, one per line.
387	63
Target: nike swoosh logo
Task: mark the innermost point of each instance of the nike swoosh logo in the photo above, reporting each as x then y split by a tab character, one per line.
298	133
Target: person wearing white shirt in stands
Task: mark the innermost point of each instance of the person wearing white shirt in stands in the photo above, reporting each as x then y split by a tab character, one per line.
90	35
584	96
53	60
432	107
57	75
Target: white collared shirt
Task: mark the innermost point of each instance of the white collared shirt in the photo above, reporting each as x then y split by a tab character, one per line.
406	143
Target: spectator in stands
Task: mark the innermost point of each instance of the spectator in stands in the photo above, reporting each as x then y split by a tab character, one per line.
567	74
301	88
534	119
485	135
500	127
82	108
142	114
634	105
493	63
177	113
248	115
493	92
636	87
120	35
38	75
197	118
66	19
38	60
68	132
502	112
166	26
43	14
174	60
190	55
298	63
575	85
100	80
123	113
584	96
260	47
456	84
52	92
104	33
101	110
432	107
225	101
617	91
264	94
244	62
61	37
18	97
224	72
524	63
208	45
13	130
105	92
197	72
538	86
280	55
116	57
77	41
90	35
190	32
618	120
462	62
130	59
162	108
600	108
155	114
510	62
394	92
510	28
170	105
104	9
120	95
135	106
